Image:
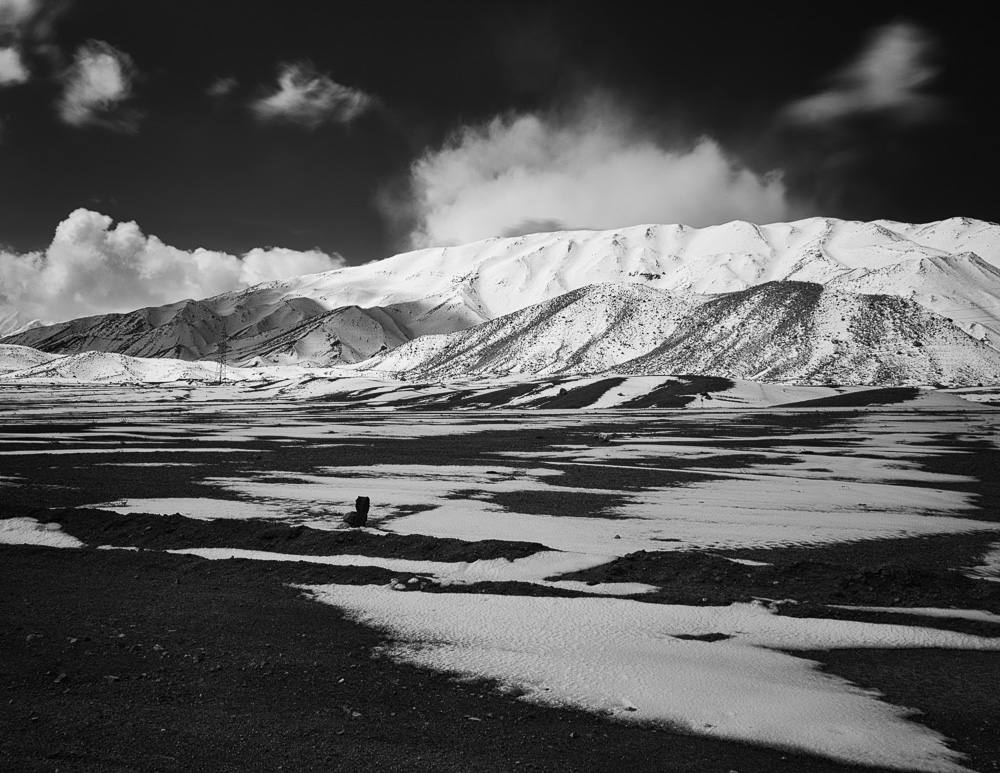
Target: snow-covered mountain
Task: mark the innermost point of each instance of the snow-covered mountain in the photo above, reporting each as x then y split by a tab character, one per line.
951	267
779	332
292	330
13	321
583	331
802	332
15	358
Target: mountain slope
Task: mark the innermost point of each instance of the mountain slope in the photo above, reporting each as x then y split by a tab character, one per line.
289	330
14	358
951	267
802	332
963	288
13	321
586	330
780	331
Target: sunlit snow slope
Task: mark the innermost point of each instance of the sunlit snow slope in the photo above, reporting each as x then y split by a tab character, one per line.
584	331
951	267
15	358
779	331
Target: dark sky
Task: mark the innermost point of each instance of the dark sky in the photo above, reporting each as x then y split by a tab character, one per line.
193	152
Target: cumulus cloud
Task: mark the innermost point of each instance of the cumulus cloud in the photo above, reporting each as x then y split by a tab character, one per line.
95	267
12	69
309	98
887	77
590	169
96	85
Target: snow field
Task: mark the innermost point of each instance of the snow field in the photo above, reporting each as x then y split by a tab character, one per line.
726	510
623	658
859	480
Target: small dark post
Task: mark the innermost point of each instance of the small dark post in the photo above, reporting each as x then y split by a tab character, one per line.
360	515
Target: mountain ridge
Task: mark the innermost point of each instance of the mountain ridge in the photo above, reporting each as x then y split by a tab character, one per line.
787	332
345	316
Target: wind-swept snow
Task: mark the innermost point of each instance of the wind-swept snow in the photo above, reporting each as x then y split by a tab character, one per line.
199	508
976	615
531	569
728	509
625	658
661	481
28	531
15	358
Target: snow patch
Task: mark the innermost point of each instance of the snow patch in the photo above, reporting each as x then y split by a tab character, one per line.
198	508
624	658
28	531
531	569
990	568
977	615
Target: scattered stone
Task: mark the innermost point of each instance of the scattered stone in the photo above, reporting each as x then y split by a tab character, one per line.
706	637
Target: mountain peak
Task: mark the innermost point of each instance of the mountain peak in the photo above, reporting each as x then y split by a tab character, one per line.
616	283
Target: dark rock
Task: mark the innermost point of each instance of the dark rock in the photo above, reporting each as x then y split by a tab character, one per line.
360	515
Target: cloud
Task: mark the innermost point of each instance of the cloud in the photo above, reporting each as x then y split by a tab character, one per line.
309	98
12	69
14	17
886	78
96	85
221	87
264	264
93	267
590	169
16	12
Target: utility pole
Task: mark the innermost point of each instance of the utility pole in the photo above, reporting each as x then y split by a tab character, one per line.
223	352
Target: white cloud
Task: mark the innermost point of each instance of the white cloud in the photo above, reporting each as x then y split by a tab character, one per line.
93	267
592	169
309	98
16	12
96	85
12	69
264	264
886	77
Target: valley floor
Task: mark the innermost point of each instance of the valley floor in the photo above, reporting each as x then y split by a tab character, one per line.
781	589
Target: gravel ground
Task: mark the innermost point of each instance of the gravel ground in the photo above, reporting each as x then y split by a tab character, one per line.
114	660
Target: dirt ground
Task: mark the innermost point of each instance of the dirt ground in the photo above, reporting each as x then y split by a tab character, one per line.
139	660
